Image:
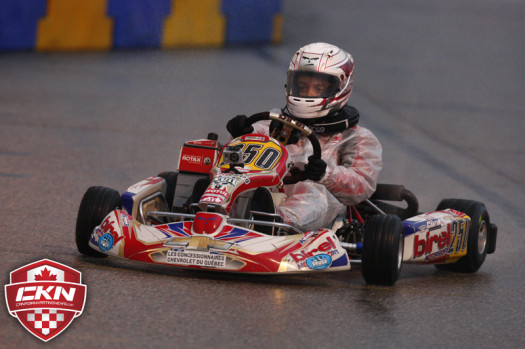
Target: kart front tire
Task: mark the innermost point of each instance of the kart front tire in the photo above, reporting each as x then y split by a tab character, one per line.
383	243
96	203
478	235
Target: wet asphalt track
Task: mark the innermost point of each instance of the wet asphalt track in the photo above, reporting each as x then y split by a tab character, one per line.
440	84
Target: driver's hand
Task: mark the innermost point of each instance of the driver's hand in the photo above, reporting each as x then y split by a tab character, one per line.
237	126
315	168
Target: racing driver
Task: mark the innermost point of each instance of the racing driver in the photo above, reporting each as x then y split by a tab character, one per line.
318	86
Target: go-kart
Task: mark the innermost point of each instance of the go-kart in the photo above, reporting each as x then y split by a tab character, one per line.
217	212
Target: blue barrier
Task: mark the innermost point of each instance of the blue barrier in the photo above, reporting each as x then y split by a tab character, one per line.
137	22
18	23
250	21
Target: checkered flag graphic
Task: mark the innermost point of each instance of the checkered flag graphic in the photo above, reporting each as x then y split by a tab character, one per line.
45	320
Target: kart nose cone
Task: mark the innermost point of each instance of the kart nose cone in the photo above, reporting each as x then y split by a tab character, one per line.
206	223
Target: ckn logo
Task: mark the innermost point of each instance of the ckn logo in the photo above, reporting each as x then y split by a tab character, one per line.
45	296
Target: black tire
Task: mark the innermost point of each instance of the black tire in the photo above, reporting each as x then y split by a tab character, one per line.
383	243
171	183
94	207
478	235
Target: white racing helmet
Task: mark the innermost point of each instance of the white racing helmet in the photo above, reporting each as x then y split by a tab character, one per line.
333	71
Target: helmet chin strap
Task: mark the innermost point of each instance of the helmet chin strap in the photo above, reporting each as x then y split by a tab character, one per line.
338	121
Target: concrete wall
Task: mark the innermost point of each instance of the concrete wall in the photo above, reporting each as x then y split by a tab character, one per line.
70	25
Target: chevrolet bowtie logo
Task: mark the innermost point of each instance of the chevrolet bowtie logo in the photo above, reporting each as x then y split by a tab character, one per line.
199	243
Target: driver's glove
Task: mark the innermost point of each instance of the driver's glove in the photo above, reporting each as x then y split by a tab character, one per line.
237	126
315	168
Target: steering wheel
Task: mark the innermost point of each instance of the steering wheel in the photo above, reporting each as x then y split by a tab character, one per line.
296	175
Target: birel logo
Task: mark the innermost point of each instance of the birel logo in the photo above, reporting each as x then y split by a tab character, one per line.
45	296
192	159
324	247
426	245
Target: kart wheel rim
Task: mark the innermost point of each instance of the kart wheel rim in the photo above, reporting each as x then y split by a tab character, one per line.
482	236
400	252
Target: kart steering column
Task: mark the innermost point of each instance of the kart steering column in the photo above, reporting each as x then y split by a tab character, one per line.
296	174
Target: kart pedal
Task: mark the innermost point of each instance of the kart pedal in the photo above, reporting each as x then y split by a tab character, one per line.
351	232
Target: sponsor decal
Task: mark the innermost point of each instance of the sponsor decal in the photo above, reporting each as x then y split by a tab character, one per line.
302	255
222	181
216	196
437	255
203	142
108	236
194	159
429	225
46	297
433	224
197	250
212	199
202	259
125	220
320	261
425	245
310	235
255	138
317	129
105	242
219	192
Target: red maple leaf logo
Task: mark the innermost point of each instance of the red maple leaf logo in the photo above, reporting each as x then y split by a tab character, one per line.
45	275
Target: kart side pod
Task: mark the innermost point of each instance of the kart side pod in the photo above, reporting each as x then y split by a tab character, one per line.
145	196
436	237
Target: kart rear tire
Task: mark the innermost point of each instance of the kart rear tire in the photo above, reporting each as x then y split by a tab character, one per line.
171	183
383	243
477	243
94	207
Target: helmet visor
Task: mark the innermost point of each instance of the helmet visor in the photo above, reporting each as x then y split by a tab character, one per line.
311	84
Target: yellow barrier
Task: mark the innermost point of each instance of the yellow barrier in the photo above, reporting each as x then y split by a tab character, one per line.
75	25
277	36
194	23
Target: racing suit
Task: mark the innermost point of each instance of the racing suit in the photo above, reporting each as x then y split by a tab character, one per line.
353	158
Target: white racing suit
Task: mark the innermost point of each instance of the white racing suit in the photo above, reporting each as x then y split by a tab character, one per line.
353	159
